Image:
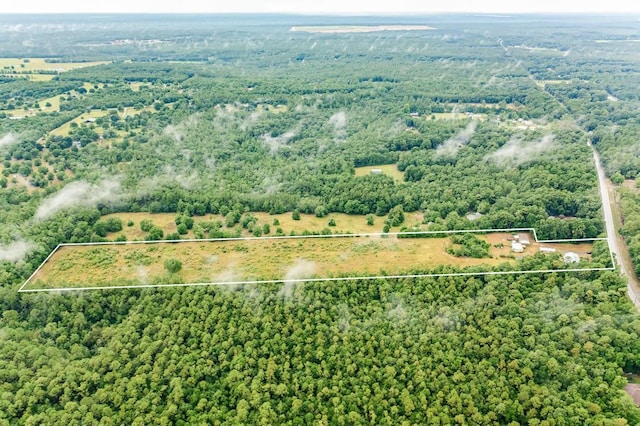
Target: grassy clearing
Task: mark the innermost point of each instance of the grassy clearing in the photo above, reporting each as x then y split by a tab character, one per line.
95	86
32	77
455	116
387	169
97	113
136	85
66	127
53	102
278	109
354	224
231	261
34	65
263	259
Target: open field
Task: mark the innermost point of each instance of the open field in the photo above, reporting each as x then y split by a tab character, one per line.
345	224
31	77
35	65
54	106
97	113
387	169
262	259
341	29
136	85
66	127
452	116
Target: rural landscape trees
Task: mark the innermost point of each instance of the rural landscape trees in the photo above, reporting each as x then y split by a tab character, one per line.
211	127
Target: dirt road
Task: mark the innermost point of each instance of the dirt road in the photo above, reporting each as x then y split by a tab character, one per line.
616	244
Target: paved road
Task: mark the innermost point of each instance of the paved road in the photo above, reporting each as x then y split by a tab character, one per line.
632	289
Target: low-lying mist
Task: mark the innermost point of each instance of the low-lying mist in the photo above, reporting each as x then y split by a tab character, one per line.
80	194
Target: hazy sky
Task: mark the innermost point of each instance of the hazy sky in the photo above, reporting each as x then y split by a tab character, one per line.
320	6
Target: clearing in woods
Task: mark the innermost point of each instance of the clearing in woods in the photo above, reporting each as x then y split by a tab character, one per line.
269	259
41	65
386	169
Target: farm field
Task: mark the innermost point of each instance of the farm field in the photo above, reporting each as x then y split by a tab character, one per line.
263	259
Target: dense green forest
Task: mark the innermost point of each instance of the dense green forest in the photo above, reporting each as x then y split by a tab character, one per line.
429	351
487	126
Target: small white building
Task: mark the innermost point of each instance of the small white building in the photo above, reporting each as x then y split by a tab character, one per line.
376	171
524	239
547	250
517	247
571	257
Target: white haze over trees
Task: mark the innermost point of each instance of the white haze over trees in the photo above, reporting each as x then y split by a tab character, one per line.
173	132
8	139
451	146
339	122
518	151
15	251
79	194
274	143
299	270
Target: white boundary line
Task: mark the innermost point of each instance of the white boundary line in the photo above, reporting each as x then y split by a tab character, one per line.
310	280
380	234
38	269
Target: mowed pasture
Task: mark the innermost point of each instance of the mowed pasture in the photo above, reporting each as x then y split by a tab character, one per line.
248	260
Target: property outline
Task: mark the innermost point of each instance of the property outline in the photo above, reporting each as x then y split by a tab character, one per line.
327	279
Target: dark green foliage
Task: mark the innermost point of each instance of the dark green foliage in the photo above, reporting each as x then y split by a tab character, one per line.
370	219
155	233
502	349
396	216
173	266
113	224
468	245
146	225
100	229
617	178
320	211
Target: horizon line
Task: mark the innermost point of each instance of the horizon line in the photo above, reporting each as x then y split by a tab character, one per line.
336	13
